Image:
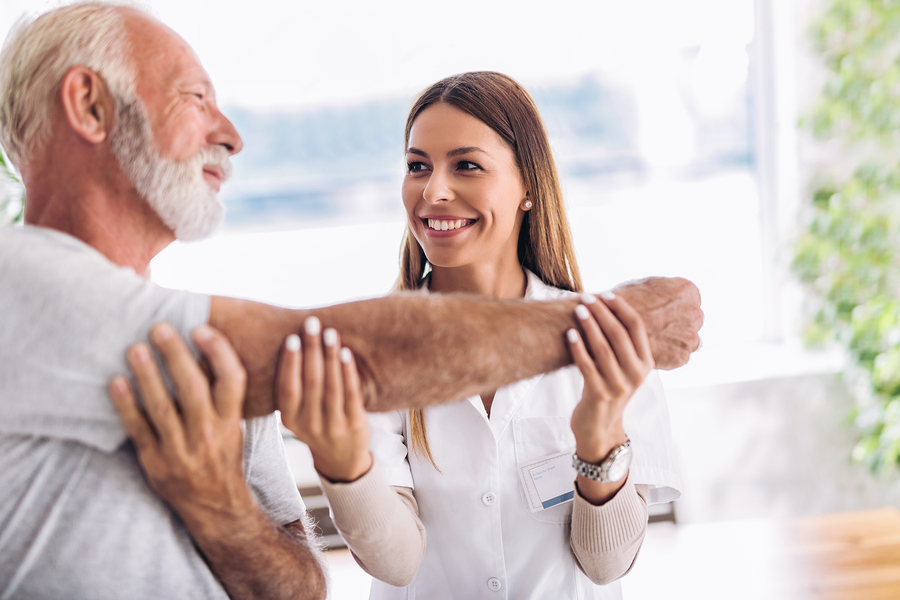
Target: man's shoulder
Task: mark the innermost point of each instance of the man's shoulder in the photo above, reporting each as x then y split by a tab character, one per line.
27	248
32	235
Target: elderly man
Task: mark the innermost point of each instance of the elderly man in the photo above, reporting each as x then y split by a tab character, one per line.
113	124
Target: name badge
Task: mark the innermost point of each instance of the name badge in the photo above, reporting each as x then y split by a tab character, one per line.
548	481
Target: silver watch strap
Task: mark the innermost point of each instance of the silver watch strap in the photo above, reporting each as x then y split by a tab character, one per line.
599	472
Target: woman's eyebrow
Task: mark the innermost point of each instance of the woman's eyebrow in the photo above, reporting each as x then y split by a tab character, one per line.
466	150
455	152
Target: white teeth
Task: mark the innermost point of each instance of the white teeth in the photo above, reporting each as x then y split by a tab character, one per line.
445	225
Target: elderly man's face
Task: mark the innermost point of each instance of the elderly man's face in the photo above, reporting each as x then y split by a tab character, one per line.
175	147
178	94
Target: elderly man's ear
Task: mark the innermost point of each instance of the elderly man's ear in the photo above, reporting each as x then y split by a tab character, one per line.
87	104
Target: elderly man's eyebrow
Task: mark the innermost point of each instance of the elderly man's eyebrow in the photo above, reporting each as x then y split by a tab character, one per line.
194	81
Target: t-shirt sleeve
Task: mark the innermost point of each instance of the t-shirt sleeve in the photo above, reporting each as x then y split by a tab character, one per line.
268	473
67	316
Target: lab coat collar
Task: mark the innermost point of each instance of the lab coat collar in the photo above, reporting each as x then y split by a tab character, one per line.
508	399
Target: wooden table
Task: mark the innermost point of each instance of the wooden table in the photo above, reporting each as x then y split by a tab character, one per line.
840	556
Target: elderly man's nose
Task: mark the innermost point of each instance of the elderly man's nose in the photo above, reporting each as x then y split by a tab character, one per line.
225	134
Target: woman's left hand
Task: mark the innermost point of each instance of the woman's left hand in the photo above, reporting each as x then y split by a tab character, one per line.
614	361
320	399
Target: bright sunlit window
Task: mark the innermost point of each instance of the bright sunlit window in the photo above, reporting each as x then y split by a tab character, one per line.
649	105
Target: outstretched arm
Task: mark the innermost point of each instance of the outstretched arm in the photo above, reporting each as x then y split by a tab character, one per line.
413	350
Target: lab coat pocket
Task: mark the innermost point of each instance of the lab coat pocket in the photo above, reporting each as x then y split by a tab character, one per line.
538	439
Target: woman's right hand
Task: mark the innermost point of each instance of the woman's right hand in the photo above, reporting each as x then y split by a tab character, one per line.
614	357
320	399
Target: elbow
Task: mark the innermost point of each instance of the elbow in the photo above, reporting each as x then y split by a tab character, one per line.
312	586
606	574
399	573
321	592
605	568
315	583
405	575
603	577
402	579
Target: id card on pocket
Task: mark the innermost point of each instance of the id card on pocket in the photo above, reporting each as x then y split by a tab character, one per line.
548	481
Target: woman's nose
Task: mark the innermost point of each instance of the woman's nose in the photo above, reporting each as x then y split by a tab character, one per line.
437	189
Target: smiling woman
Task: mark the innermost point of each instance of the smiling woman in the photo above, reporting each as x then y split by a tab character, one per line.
485	214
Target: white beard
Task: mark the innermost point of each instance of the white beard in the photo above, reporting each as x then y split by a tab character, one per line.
175	190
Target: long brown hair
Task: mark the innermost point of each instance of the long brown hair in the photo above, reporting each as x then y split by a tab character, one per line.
545	242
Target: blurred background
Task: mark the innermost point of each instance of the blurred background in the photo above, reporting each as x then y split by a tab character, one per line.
747	145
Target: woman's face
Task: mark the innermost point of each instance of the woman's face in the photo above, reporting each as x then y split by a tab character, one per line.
463	192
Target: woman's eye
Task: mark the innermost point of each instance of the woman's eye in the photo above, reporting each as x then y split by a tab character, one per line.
414	167
467	165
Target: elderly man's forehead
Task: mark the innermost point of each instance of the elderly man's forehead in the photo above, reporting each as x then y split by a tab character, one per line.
158	52
147	30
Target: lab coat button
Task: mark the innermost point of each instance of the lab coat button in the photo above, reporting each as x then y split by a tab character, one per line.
494	584
489	498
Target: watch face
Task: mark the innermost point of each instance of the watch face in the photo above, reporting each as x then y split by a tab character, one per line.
619	466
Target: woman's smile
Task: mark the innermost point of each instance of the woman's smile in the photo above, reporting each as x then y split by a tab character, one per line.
441	227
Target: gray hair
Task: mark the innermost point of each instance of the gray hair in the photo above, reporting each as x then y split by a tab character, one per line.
38	53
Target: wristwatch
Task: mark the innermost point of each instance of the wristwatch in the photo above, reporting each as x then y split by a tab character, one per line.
612	468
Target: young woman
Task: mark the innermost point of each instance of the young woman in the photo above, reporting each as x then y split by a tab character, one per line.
489	480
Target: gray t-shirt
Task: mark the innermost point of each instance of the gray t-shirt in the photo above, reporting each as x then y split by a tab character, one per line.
77	518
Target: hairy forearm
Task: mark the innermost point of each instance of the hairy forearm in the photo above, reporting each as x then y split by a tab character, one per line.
411	350
255	558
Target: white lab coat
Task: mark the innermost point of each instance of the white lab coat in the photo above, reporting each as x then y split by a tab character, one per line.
482	540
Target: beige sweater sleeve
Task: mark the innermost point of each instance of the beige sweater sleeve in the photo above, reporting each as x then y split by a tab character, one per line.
606	539
380	525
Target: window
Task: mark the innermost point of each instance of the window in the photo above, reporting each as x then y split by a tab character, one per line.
649	104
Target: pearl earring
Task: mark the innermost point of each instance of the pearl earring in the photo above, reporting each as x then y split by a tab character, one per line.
528	204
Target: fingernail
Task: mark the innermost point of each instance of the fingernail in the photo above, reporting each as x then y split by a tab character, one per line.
346	356
582	312
118	384
140	353
312	325
572	334
162	332
203	333
292	343
330	337
607	295
588	298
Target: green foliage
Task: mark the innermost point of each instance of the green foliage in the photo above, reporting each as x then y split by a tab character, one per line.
12	195
849	254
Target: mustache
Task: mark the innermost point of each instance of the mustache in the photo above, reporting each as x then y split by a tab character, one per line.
214	156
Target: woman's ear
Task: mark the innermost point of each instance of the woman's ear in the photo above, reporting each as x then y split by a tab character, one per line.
87	104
